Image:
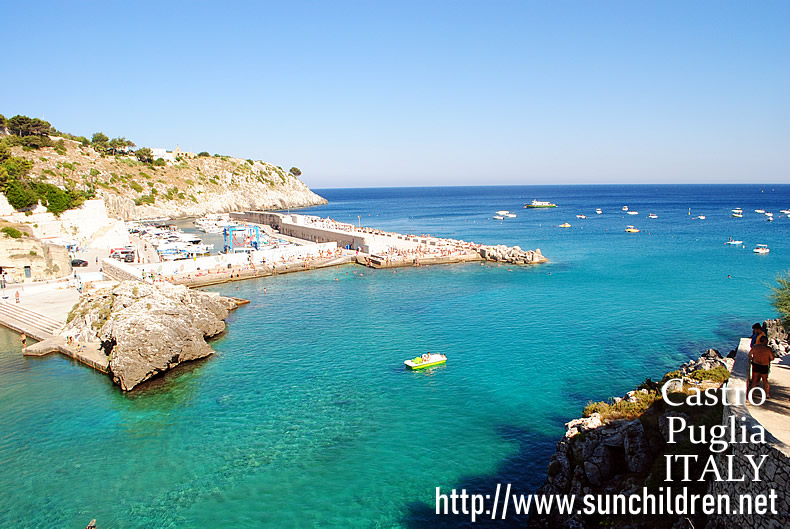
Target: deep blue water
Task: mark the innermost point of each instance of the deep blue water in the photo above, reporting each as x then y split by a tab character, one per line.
305	417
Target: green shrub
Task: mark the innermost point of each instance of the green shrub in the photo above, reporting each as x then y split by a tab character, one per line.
137	187
11	232
623	409
717	374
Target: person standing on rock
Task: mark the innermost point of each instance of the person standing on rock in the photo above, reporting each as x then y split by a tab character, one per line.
761	356
757	331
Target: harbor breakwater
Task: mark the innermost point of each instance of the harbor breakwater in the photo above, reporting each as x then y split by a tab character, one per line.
389	249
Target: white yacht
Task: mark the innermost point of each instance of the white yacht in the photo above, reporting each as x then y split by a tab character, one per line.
581	216
633	213
652	216
598	211
761	248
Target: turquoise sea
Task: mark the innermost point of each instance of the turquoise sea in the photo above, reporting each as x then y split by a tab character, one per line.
306	418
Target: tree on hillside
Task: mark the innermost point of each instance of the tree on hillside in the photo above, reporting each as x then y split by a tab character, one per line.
144	154
100	141
117	144
2	120
25	126
295	171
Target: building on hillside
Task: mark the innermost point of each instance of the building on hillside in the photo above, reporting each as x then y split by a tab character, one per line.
172	156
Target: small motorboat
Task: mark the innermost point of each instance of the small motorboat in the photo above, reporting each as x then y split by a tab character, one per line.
426	360
510	215
769	219
564	225
631	229
502	212
633	213
540	204
652	216
625	208
761	248
785	211
769	214
759	211
499	217
581	216
733	242
701	217
598	211
738	215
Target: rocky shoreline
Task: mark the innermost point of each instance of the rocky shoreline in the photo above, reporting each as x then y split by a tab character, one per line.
618	447
147	329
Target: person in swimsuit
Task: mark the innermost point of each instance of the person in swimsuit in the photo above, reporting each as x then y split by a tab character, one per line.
761	356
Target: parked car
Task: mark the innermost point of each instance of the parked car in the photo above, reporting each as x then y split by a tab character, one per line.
79	262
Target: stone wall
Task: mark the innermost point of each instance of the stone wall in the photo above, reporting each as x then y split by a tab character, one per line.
120	271
775	472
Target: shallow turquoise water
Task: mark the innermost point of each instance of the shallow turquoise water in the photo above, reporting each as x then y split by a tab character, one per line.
305	417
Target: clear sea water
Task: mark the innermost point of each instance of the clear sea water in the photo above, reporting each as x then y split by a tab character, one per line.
306	418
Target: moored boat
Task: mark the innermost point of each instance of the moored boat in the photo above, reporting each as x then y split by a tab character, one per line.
581	216
631	229
540	204
598	211
499	217
426	360
733	242
761	248
564	225
633	213
652	216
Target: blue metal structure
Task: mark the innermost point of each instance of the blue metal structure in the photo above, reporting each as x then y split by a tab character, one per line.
241	237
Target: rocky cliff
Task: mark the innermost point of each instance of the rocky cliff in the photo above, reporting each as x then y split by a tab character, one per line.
25	253
618	448
190	186
148	329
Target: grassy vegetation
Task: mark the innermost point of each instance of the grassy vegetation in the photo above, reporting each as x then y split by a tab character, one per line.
11	232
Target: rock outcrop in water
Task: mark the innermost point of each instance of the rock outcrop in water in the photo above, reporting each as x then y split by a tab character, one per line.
148	329
514	254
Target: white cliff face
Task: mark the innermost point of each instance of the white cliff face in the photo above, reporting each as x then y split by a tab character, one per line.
153	328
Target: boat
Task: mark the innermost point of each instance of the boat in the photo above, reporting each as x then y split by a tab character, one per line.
701	217
769	219
598	211
581	216
625	208
761	248
759	211
503	212
499	217
785	211
769	214
564	225
631	229
510	215
633	213
737	215
733	242
540	204
652	216
426	360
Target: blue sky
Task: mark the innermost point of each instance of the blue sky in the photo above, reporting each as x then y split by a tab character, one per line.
422	93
